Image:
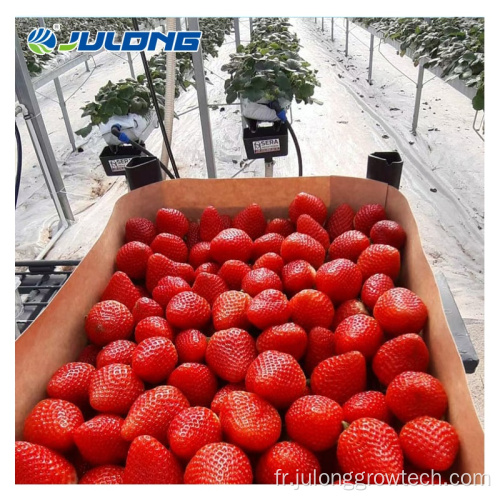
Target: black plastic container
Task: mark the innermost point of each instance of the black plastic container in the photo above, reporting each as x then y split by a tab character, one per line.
266	142
115	158
385	167
142	171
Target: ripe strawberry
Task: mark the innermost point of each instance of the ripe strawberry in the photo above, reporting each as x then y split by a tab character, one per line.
221	394
415	394
143	291
268	243
192	429
36	464
99	440
277	377
119	351
269	308
249	421
207	267
367	216
132	259
196	381
144	308
233	272
429	443
399	311
199	254
172	221
170	246
51	423
168	287
230	352
359	333
193	235
211	224
154	359
314	422
89	354
346	309
71	382
114	388
289	338
366	404
153	326
340	221
311	308
404	353
305	203
320	346
149	462
340	279
107	321
209	286
226	221
258	280
271	261
219	463
140	229
280	226
230	310
388	232
152	413
160	266
191	346
104	474
231	244
300	246
375	286
348	245
380	259
298	275
340	377
188	310
369	447
307	225
251	220
121	289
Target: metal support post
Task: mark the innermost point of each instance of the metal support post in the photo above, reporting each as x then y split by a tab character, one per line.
64	110
131	64
418	97
178	26
315	20
186	24
250	20
237	38
347	38
201	90
333	23
87	67
322	24
370	63
269	167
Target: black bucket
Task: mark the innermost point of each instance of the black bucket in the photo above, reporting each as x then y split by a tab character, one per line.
266	142
115	158
142	171
385	167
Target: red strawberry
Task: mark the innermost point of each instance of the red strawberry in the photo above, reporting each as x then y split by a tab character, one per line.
399	311
251	220
170	220
307	225
160	266
199	254
271	261
152	413
149	462
320	346
107	321
209	286
375	286
233	272
100	442
311	308
305	203
340	221
207	267
191	346
300	246
168	287
154	359
404	353
277	377
269	308
367	216
348	245
289	338
231	244
211	224
170	246
380	259
226	221
340	377
89	354
359	333
340	279
140	229
346	309
219	463
280	226
114	388
71	382
51	423
144	308
388	232
230	353
415	394
314	422
370	449
298	275
153	326
268	243
288	463
188	310
230	310
193	235
221	394
119	351
132	259
258	280
36	464
143	291
196	381
429	443
192	429
366	404
104	474
249	421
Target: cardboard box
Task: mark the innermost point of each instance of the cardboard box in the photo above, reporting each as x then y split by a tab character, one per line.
58	335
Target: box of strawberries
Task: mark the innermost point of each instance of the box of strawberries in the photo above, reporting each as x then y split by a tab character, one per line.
276	331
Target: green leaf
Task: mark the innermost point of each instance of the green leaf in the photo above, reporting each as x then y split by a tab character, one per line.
478	100
85	131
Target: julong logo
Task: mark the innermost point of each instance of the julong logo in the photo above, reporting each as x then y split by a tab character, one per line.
42	41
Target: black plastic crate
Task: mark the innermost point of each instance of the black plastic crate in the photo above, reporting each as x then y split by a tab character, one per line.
114	159
266	142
